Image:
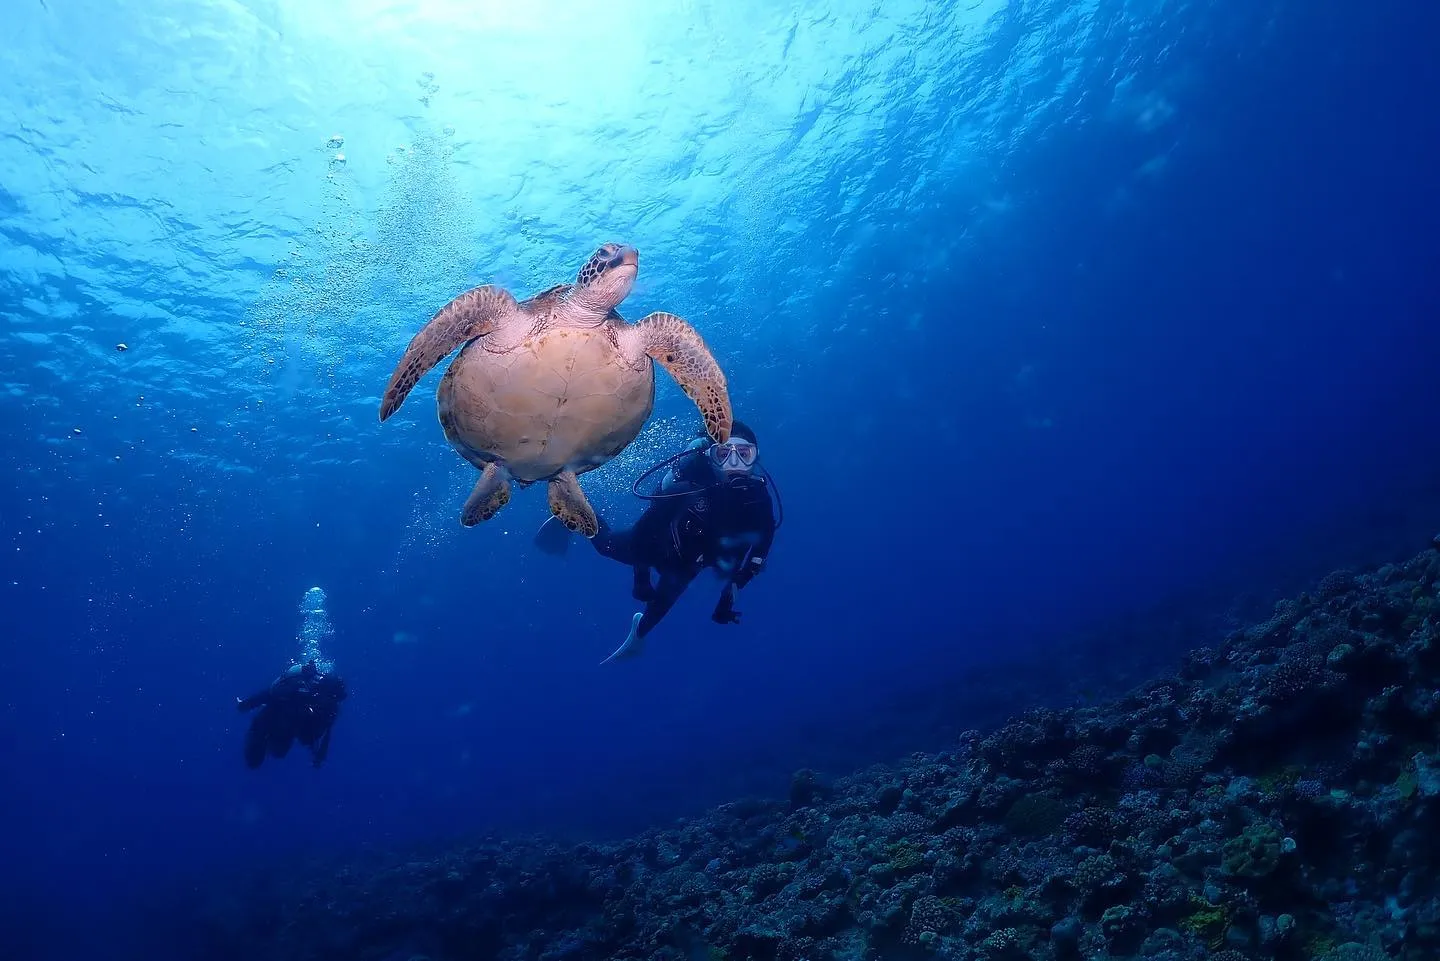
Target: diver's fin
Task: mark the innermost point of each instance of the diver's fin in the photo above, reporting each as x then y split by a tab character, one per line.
553	537
633	646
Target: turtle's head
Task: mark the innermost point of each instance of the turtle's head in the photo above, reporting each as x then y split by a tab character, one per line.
607	276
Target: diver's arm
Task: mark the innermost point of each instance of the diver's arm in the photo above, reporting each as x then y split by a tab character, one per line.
285	686
258	699
755	561
725	612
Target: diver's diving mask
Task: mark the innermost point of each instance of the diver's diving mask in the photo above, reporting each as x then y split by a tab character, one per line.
733	455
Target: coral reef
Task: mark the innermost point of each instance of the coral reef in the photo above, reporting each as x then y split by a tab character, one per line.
1272	799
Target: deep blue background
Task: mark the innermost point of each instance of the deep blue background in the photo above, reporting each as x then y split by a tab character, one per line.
1239	362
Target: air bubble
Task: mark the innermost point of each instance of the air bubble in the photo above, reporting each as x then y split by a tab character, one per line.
315	628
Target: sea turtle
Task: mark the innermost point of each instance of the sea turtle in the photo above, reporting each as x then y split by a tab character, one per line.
554	386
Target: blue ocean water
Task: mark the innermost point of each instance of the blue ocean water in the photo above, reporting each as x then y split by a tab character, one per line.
1044	313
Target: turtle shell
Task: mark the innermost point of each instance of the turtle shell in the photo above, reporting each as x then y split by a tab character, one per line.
563	397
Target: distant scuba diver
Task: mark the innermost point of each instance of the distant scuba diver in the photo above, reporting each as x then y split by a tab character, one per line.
299	705
713	509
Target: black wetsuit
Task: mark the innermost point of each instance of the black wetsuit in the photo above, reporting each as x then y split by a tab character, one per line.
727	524
300	705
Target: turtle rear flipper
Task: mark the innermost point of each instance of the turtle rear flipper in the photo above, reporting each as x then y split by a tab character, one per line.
568	503
474	313
675	345
492	492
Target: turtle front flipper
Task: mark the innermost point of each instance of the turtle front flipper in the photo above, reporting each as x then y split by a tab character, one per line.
678	347
492	492
568	503
474	313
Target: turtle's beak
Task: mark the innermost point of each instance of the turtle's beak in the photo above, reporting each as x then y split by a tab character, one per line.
626	256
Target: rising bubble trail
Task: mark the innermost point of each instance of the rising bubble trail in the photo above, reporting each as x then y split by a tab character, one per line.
315	629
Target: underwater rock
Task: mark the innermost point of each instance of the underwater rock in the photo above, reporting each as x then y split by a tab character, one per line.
1274	798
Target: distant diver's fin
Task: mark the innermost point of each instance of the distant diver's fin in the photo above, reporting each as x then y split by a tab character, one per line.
553	537
633	646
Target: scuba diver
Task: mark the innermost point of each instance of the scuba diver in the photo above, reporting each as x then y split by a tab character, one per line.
713	509
299	705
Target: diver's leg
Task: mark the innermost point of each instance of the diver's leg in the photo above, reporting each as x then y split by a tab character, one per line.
321	748
652	545
256	739
282	736
641	588
554	536
673	582
618	545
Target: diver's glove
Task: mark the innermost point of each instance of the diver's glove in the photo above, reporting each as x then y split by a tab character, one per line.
726	616
725	612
